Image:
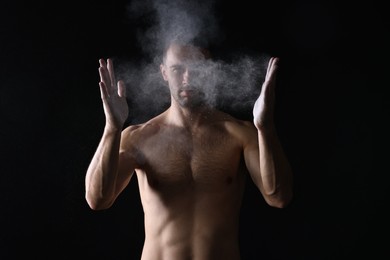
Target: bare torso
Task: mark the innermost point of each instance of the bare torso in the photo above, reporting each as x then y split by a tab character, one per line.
191	185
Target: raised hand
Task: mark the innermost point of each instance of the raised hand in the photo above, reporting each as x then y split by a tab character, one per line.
263	110
113	95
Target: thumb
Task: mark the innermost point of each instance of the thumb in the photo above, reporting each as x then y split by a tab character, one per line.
121	88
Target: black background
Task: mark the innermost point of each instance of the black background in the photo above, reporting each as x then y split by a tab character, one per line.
331	117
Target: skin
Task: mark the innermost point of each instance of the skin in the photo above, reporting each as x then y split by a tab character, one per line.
191	162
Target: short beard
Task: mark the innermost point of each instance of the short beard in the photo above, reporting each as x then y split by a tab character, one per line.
193	102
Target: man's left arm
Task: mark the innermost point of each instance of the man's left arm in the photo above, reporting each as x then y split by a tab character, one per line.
266	160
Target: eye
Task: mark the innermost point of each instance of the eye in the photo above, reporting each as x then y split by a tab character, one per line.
177	69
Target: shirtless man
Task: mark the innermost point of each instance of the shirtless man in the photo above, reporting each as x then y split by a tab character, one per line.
191	162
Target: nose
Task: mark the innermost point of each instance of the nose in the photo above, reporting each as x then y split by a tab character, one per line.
186	76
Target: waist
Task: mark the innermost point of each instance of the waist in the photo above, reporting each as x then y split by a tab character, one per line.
200	245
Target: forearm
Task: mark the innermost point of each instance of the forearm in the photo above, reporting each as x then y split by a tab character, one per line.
275	170
102	172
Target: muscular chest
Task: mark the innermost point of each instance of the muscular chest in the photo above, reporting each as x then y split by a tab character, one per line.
206	159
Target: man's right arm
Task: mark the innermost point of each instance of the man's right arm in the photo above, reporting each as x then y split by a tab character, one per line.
108	173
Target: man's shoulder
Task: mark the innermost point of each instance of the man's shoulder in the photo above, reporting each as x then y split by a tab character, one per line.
143	129
232	121
133	136
240	128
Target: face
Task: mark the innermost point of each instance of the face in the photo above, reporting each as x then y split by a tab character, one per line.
183	72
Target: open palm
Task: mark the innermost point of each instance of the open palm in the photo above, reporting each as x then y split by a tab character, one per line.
263	110
113	95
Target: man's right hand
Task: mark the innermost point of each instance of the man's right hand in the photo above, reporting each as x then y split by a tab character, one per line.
113	95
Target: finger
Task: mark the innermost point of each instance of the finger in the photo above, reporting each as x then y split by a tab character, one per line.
272	66
269	64
104	77
269	82
121	89
110	67
103	91
101	73
103	65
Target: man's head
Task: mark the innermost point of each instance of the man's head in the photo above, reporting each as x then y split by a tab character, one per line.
184	71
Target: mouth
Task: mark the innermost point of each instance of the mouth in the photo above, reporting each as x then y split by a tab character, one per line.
187	92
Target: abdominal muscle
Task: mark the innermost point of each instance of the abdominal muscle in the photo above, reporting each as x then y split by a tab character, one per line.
191	223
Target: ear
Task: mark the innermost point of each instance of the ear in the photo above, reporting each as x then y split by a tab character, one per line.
163	72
